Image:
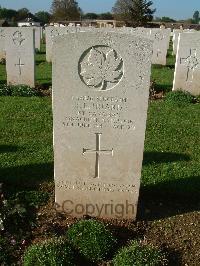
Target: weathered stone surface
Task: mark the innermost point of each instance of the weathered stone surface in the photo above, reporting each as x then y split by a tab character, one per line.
20	56
38	37
52	32
161	38
175	40
2	42
100	99
187	68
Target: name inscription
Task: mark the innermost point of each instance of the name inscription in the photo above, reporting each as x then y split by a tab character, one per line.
98	113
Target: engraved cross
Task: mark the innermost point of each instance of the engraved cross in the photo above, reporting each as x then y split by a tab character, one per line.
98	152
191	62
19	66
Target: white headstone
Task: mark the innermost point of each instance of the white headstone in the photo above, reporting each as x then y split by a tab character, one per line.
52	32
2	42
187	68
38	37
100	99
161	39
20	56
175	40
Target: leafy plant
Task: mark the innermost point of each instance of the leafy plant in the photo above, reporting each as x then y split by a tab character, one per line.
5	90
139	255
179	97
33	198
20	210
18	90
92	239
53	252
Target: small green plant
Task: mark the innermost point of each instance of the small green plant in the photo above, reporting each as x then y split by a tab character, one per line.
33	198
53	252
139	255
5	90
179	97
92	239
6	251
18	90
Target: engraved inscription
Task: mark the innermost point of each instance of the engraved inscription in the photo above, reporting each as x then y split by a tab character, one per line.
98	113
18	38
159	36
20	65
191	62
101	68
98	151
98	187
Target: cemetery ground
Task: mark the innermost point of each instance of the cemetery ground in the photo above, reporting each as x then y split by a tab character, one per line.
168	215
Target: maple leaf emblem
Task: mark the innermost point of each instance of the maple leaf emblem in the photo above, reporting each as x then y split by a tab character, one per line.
101	68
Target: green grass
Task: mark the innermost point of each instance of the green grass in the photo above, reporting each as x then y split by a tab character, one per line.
43	69
2	74
172	147
26	153
163	75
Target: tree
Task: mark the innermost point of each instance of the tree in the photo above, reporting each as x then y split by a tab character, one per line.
167	19
134	12
107	16
9	14
65	10
90	16
196	17
22	14
43	16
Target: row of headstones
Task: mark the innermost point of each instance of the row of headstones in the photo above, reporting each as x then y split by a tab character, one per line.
160	37
186	47
19	45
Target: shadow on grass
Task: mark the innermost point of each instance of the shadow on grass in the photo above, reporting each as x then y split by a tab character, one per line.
163	157
40	52
169	198
163	87
3	81
8	148
38	62
27	177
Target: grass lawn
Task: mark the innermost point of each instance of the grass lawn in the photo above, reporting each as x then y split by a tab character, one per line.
171	167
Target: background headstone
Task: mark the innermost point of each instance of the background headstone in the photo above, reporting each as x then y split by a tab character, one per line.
38	37
2	42
20	56
175	40
100	99
52	32
187	68
161	39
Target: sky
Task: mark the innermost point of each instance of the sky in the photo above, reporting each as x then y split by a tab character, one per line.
178	9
